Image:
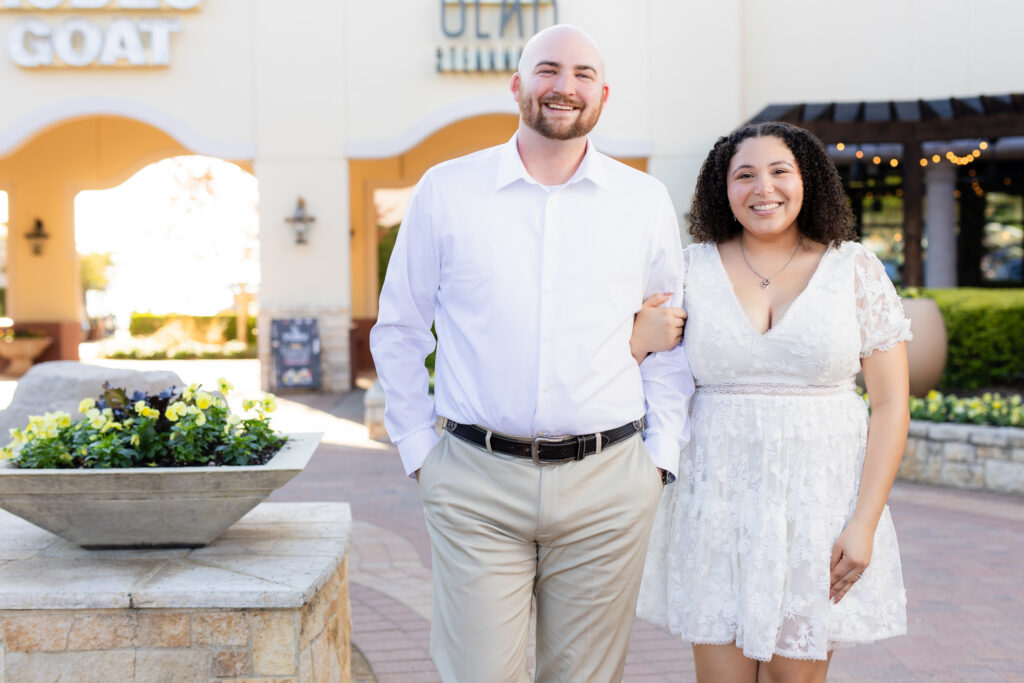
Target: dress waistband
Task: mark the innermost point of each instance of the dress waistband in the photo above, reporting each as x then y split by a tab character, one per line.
776	389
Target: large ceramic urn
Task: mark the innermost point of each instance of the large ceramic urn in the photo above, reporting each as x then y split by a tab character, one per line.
926	352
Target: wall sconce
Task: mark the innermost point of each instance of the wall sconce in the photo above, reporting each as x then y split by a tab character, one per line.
37	237
300	221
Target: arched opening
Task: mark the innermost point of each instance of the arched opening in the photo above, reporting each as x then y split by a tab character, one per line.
42	175
180	237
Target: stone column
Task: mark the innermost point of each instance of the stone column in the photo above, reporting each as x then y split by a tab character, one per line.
940	261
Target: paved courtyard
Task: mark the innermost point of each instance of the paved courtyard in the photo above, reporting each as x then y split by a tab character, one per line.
962	559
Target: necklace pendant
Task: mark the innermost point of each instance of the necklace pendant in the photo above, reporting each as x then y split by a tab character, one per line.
765	282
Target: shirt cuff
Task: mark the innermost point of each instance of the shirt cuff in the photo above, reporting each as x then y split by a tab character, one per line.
414	448
664	451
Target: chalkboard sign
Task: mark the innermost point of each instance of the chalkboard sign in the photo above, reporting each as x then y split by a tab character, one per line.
295	344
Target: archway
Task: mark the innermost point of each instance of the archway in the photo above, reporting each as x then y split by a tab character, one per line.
42	176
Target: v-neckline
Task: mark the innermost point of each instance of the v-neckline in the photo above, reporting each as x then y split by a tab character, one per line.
739	306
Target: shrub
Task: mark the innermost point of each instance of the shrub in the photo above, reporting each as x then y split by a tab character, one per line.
145	324
986	336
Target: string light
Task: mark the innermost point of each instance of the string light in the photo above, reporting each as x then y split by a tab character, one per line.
860	154
840	146
924	162
876	159
894	163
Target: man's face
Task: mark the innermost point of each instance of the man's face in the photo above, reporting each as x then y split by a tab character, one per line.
562	90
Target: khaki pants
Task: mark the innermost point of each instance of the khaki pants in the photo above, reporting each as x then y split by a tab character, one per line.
504	531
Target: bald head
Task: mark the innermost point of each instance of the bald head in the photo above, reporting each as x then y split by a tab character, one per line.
551	39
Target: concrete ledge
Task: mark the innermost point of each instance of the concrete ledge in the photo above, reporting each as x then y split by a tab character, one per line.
965	456
269	598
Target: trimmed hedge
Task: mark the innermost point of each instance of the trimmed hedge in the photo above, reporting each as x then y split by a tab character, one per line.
986	336
145	324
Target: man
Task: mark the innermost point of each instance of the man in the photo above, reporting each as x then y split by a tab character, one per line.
531	259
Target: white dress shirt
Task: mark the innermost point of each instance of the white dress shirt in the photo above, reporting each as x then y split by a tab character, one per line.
532	291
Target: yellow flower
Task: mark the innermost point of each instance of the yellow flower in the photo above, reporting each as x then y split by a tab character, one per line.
933	395
65	457
224	386
140	407
134	440
248	404
269	403
193	410
175	411
6	453
86	404
150	412
200	419
188	393
203	400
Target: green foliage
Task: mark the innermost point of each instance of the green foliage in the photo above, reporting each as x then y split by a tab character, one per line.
145	324
987	409
168	429
182	354
385	245
986	336
93	268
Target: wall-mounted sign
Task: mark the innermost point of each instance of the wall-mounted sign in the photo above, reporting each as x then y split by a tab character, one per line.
78	42
488	35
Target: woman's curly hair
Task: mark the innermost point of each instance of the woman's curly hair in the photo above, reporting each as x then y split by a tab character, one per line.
825	216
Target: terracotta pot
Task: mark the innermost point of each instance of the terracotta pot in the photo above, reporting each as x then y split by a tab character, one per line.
926	352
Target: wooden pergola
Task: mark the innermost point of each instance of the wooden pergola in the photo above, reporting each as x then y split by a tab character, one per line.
910	124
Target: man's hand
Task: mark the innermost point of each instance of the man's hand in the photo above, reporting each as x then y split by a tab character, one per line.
656	328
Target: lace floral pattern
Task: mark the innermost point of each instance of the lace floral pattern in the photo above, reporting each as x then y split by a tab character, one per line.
741	543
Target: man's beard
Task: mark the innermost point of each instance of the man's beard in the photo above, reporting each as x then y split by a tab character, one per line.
533	116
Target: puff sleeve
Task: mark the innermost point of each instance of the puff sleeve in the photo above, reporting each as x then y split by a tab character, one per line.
879	311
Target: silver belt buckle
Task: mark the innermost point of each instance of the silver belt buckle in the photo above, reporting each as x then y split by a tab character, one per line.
536	441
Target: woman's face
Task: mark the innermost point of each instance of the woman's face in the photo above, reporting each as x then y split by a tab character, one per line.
764	185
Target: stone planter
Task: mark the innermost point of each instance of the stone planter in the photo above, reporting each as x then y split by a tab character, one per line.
158	507
21	351
926	352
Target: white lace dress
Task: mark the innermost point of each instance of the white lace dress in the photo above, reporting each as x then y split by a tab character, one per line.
742	541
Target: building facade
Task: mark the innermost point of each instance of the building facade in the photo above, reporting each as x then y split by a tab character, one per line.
335	101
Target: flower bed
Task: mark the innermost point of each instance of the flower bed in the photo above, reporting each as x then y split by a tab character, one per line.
988	409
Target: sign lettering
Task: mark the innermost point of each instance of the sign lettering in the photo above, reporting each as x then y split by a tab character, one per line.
80	42
492	21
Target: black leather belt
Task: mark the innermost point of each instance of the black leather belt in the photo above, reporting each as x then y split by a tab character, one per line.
543	450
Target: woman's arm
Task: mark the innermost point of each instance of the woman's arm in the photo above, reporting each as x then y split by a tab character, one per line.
656	328
885	375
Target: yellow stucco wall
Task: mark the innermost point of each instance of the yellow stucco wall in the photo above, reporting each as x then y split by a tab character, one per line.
42	177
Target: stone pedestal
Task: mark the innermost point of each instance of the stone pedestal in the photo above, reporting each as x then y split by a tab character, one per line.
266	600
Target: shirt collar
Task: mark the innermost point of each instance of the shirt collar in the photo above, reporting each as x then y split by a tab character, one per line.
511	168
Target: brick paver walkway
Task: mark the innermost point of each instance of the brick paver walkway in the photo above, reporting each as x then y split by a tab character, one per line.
962	559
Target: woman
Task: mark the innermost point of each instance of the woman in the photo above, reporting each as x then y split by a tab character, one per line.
775	545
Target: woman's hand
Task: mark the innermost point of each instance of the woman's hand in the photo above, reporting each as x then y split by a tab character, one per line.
851	555
656	328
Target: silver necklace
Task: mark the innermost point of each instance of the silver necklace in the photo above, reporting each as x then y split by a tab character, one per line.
765	281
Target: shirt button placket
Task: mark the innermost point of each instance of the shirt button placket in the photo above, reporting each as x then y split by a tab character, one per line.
549	292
